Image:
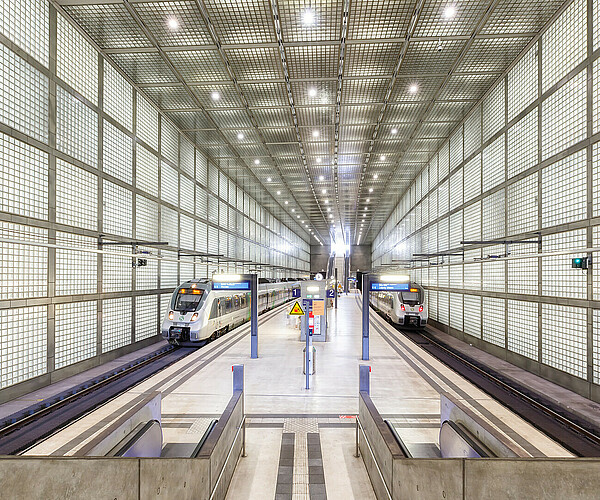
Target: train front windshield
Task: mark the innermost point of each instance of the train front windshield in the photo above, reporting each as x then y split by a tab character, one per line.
412	297
188	299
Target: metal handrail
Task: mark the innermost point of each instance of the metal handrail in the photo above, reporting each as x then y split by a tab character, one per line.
242	426
204	437
359	426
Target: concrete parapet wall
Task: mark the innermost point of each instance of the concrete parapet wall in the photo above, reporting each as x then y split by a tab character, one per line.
468	478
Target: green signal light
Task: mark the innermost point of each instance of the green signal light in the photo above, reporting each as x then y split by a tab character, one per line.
579	263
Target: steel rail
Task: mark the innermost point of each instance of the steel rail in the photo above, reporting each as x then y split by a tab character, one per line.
18	436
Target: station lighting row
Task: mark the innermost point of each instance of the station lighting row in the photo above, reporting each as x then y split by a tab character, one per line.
309	19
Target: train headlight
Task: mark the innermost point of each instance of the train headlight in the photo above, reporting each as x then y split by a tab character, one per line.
194	316
171	315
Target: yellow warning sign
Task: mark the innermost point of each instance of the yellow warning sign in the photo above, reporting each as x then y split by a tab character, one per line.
296	310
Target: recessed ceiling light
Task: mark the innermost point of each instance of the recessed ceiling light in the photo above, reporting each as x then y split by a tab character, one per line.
312	92
306	226
331	216
394	131
268	179
368	200
326	202
319	160
302	222
297	216
240	136
413	88
370	190
173	23
308	17
382	157
286	202
321	177
324	191
364	215
257	161
449	11
215	96
315	133
329	209
375	176
278	192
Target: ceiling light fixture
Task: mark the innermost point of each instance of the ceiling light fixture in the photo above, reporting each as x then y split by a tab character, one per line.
240	136
173	23
394	131
368	200
449	11
375	176
324	191
278	192
413	88
215	96
326	202
312	92
370	190
329	209
257	162
286	202
321	177
308	17
382	157
315	133
293	209
268	179
364	215
319	160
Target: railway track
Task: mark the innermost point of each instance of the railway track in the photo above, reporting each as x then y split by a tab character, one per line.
23	430
580	437
577	435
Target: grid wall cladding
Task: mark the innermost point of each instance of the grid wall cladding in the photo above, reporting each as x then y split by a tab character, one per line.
526	168
23	179
75	336
76	189
23	344
116	323
23	96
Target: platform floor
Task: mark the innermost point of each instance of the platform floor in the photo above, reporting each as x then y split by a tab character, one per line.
301	441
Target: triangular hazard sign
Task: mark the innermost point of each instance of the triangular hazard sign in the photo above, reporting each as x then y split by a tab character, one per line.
296	310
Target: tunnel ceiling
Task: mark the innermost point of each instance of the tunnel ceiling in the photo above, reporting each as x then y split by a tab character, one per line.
296	97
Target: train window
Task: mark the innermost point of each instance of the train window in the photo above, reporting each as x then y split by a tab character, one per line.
236	302
188	299
410	297
214	312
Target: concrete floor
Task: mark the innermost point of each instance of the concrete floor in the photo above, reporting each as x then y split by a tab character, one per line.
405	385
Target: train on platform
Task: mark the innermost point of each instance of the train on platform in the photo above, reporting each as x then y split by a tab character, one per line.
405	308
198	314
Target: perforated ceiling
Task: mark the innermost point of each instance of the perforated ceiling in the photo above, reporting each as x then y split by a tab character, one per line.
327	114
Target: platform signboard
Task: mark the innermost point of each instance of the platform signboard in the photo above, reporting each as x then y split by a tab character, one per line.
388	287
247	283
330	293
318	308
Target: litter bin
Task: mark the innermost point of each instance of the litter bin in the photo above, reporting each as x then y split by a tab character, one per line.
314	357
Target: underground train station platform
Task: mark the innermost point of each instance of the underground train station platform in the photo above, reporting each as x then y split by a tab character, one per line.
280	440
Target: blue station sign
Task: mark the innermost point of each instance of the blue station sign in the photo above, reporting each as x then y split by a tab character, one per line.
388	287
231	285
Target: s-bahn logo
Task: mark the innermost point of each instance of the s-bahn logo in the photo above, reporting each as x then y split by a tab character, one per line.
181	318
